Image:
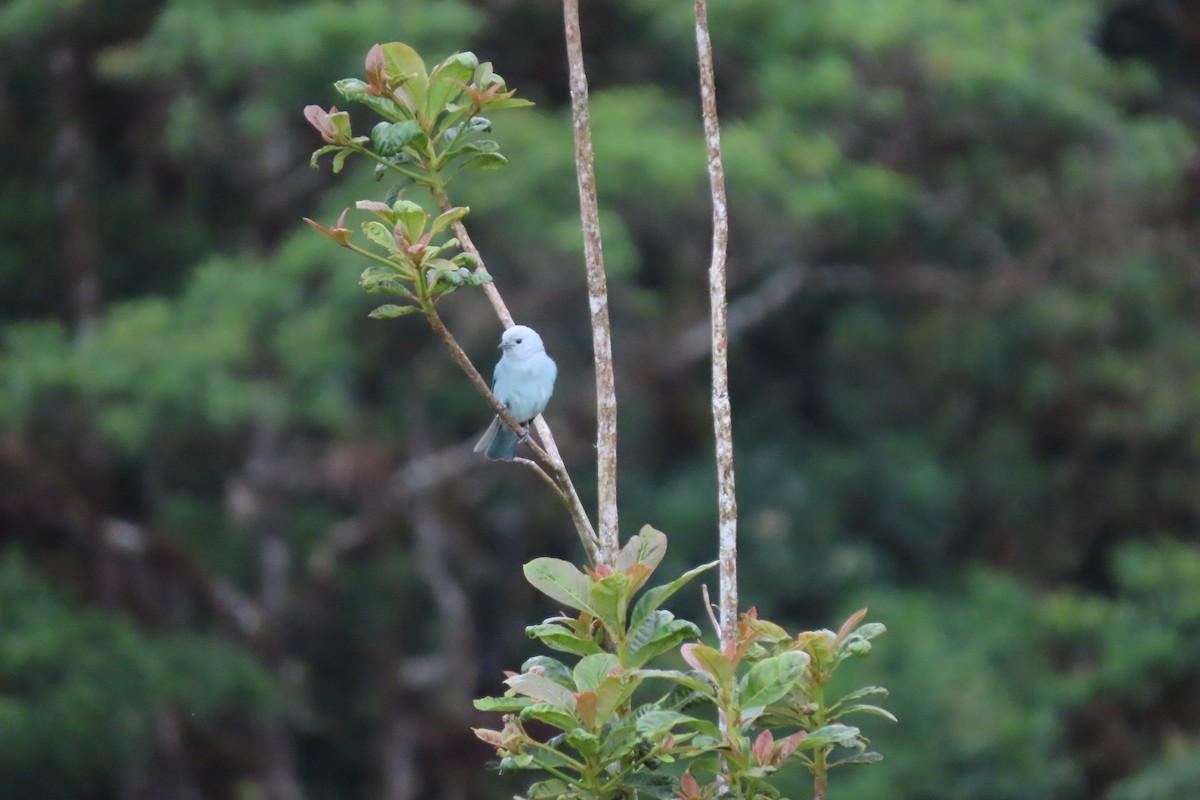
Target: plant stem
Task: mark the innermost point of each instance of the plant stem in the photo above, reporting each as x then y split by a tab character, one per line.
606	393
371	154
820	768
722	413
387	263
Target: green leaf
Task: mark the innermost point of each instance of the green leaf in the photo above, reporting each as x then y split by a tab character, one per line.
385	107
772	678
710	662
444	83
445	275
655	725
561	639
376	279
842	735
542	790
858	643
461	148
502	704
767	630
591	670
818	645
390	311
609	596
647	546
411	219
339	159
374	274
858	694
870	630
551	715
477	125
388	286
341	123
655	597
869	757
510	763
691	681
657	784
546	756
561	581
658	634
707	766
329	148
541	688
479	277
389	138
612	693
378	233
587	743
552	668
478	146
348	87
403	63
508	102
483	161
484	76
448	218
619	740
865	708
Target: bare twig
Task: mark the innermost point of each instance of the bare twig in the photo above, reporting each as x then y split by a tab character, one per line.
533	465
606	393
708	606
722	414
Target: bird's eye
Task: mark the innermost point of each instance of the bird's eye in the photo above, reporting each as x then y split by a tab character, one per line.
518	341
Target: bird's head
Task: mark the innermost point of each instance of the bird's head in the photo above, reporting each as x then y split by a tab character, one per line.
520	340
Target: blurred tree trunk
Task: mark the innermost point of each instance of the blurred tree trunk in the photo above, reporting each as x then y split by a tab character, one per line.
72	163
267	479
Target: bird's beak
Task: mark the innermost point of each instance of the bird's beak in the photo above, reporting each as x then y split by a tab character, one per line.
505	346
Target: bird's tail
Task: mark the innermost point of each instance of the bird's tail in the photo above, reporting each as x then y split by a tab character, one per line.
498	442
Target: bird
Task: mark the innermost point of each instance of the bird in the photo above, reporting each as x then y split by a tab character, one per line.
523	382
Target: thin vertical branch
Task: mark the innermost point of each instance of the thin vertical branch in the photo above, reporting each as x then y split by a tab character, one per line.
722	414
606	393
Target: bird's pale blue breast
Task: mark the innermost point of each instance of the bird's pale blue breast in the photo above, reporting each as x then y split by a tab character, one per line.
525	384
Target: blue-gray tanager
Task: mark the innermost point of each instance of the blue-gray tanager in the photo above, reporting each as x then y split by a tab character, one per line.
523	381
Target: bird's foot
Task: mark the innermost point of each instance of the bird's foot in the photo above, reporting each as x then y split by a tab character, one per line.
524	435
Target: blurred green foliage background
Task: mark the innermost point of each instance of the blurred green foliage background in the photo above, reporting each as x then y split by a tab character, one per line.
247	553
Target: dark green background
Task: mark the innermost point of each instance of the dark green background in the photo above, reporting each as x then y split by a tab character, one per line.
246	553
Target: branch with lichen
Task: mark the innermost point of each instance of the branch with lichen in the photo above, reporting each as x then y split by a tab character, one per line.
722	413
606	393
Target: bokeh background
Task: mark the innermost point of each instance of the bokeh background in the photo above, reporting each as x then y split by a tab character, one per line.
246	553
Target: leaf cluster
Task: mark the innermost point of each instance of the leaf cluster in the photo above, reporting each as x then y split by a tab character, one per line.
432	124
430	133
719	719
411	266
